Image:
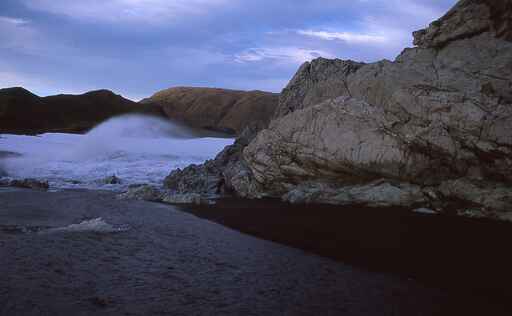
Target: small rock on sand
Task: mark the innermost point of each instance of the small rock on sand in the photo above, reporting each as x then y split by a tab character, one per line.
424	210
142	192
112	180
30	184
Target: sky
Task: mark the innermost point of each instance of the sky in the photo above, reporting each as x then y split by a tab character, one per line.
137	47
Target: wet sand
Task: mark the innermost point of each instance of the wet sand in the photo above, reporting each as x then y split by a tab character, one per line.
157	260
466	257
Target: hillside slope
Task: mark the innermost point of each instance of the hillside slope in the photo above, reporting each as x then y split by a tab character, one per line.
217	109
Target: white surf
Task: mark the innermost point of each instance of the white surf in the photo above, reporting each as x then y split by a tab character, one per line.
136	149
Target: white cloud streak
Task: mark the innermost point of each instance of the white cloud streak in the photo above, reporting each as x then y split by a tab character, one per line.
351	38
12	21
292	55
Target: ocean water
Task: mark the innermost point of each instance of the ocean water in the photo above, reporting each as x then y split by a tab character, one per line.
136	149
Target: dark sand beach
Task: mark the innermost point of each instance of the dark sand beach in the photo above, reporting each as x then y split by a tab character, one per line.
145	258
451	252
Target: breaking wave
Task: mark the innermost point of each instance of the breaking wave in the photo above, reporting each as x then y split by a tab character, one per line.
137	149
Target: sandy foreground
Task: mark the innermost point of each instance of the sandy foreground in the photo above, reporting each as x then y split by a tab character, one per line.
85	252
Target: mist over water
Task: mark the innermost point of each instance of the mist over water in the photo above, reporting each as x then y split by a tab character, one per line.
137	149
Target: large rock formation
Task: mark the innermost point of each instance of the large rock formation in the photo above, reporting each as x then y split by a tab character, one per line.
217	109
430	128
24	112
439	112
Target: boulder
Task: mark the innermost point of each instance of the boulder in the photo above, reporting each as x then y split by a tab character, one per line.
473	213
30	184
423	210
220	175
380	193
205	178
142	192
154	194
183	198
112	180
491	195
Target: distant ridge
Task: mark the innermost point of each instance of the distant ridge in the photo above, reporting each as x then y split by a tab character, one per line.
217	109
22	112
223	110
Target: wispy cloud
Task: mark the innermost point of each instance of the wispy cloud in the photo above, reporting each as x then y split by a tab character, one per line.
12	21
16	33
149	11
345	36
293	55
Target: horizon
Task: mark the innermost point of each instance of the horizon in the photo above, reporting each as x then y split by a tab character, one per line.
136	48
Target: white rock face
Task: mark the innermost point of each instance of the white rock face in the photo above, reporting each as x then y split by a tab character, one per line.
439	112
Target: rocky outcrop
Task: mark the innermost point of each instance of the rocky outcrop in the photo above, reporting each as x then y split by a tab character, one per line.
379	193
440	112
431	129
316	82
216	109
187	198
30	184
26	113
467	19
142	192
483	194
226	174
153	194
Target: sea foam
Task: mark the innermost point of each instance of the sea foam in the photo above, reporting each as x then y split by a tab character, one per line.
95	225
137	149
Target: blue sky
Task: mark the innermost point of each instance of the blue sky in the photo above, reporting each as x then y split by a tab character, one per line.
137	47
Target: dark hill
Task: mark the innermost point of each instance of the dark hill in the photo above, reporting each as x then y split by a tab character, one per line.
23	112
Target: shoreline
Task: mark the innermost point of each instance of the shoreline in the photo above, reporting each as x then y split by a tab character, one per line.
455	259
435	249
85	252
440	251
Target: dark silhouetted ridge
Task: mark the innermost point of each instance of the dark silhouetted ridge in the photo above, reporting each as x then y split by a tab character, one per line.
23	112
